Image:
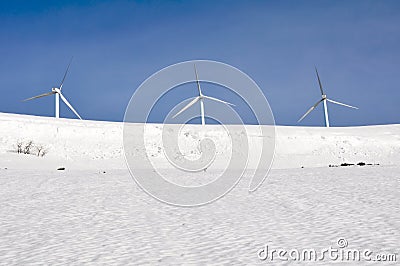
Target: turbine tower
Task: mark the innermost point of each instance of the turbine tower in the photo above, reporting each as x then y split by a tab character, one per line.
58	94
324	99
200	99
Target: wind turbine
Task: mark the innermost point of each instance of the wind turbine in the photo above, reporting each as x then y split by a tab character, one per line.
200	98
324	99
58	94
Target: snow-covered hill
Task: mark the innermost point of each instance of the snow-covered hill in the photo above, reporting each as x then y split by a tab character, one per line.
95	144
95	214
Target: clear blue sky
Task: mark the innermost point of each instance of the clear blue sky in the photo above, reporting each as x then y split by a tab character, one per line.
117	44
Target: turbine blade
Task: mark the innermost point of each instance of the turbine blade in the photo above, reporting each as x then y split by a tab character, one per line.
70	106
309	110
65	74
187	106
319	82
197	80
217	100
332	101
39	96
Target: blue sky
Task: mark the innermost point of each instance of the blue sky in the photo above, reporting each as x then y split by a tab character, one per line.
118	44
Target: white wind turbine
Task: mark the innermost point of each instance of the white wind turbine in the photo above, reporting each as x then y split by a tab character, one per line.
58	94
200	98
324	99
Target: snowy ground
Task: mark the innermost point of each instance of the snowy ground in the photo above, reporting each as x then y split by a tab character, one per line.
76	217
94	213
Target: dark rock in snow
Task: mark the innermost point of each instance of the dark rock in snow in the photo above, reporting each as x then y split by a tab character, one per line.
347	164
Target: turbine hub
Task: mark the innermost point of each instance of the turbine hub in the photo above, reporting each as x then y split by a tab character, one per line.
324	96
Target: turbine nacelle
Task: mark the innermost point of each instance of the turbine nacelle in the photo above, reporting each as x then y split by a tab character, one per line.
56	90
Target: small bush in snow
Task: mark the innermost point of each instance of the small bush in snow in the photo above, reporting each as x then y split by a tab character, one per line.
19	146
30	148
41	151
